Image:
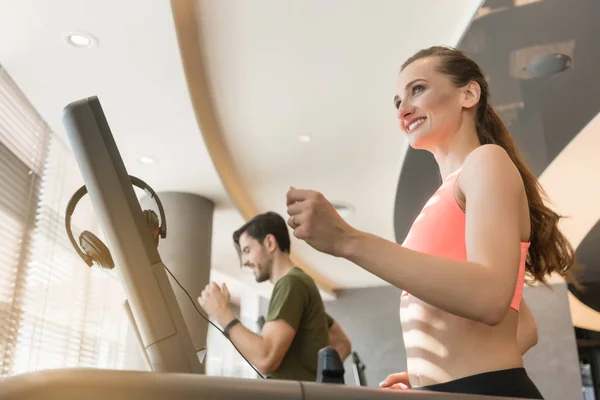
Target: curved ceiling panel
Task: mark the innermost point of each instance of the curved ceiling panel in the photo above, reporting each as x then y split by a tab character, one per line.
549	117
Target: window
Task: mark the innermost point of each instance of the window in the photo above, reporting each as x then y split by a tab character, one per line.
222	359
55	311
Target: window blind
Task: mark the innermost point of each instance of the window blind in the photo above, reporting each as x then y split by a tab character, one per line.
55	311
23	137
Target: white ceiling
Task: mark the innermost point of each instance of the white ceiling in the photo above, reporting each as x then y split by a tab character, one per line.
276	70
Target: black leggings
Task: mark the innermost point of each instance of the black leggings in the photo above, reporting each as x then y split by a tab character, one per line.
508	383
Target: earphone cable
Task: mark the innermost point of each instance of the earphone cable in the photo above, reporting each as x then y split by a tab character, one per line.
210	322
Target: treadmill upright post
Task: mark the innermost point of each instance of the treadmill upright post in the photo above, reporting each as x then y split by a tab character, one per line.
153	304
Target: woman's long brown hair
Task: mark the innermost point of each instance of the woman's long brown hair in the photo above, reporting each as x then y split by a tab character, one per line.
550	251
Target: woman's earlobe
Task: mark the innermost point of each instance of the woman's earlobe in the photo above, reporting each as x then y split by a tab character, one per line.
472	95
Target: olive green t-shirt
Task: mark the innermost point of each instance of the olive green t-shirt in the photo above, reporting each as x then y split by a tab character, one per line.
297	301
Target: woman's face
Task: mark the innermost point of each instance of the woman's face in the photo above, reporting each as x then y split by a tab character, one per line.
429	105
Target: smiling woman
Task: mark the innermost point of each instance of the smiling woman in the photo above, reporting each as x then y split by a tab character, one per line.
466	258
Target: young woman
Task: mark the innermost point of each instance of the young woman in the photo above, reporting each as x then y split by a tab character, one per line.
465	259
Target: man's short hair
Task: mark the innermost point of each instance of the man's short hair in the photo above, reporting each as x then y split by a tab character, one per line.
269	223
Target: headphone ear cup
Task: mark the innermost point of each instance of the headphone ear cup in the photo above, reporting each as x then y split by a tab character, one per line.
96	250
151	219
152	222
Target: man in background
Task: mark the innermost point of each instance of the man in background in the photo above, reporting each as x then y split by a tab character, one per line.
296	326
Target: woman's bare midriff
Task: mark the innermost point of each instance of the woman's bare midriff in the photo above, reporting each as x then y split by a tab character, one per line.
441	347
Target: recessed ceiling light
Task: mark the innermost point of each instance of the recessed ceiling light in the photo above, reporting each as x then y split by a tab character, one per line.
343	209
147	160
80	40
304	138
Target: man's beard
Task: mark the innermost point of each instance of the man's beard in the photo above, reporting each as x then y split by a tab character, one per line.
261	273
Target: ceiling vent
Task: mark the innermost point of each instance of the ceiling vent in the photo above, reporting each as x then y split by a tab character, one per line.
343	209
548	64
542	60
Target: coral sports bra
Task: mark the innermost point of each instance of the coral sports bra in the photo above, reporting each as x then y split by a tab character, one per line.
440	231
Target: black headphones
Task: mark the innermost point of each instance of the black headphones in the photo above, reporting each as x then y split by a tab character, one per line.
93	250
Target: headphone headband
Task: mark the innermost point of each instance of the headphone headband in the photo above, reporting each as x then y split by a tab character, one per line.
150	192
82	191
